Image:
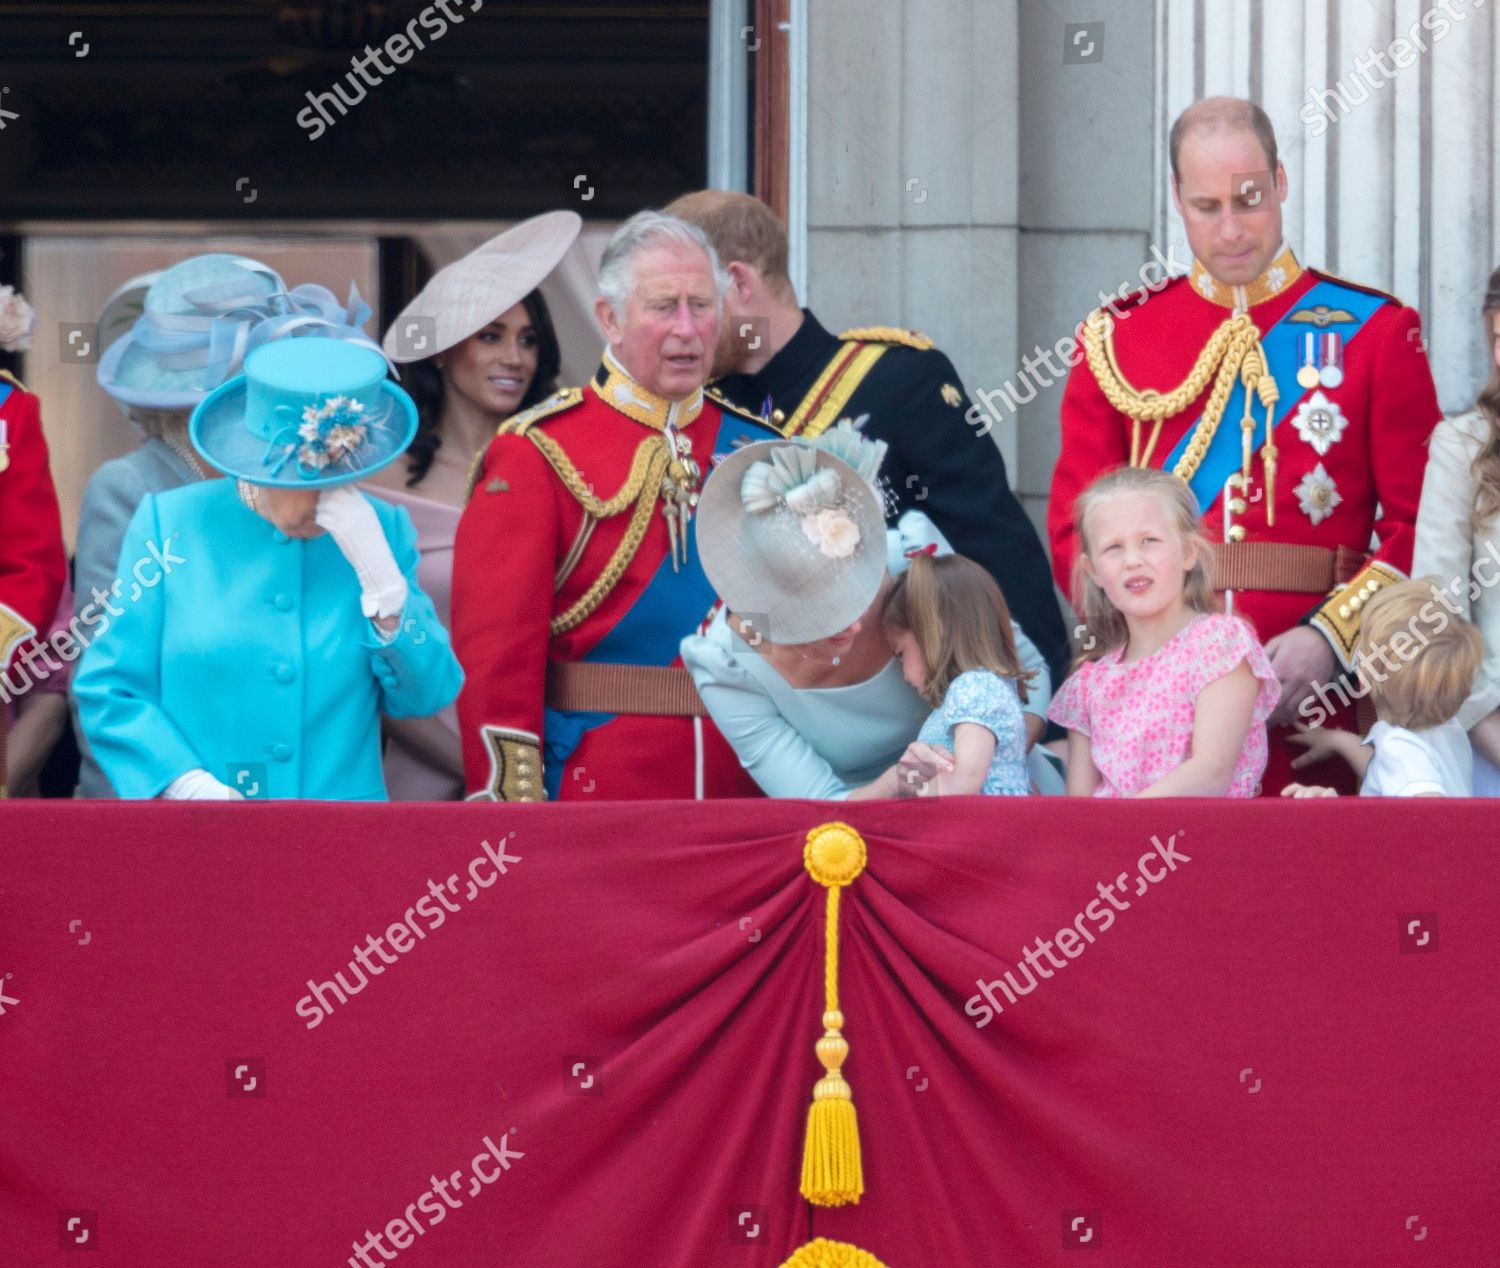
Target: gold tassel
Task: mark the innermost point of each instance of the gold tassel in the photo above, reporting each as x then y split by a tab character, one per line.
822	1253
1269	395
832	1171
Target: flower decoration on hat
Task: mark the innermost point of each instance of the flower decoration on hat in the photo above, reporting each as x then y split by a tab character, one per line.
331	433
793	479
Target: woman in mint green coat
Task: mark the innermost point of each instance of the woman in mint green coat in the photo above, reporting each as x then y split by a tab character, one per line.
267	620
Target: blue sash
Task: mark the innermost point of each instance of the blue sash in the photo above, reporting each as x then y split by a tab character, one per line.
649	633
5	390
1282	344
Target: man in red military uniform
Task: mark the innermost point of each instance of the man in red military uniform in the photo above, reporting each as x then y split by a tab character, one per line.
1297	406
32	562
576	573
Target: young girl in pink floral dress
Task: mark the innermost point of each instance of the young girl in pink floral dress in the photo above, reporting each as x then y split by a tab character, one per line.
1171	697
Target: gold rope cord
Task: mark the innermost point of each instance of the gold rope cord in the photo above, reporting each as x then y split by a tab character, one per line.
641	486
1233	350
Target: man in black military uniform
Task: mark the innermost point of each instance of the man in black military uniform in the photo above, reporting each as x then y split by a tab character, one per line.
776	359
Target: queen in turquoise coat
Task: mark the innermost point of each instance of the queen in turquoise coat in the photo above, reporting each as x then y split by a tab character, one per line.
241	659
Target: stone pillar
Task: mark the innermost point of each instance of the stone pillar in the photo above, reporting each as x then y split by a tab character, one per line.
912	176
1386	116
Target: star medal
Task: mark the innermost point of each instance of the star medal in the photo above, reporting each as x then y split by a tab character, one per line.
1319	422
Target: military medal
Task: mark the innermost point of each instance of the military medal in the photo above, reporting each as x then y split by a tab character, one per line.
1308	376
4	444
1331	375
1319	422
679	493
1317	495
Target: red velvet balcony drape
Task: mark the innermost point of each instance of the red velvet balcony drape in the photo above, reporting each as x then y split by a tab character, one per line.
1274	1045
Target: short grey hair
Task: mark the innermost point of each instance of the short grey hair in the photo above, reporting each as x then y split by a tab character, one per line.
156	423
642	232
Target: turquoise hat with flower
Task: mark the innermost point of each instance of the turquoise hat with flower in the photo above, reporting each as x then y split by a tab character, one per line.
307	413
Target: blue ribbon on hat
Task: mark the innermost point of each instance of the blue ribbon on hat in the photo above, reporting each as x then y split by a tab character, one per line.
233	320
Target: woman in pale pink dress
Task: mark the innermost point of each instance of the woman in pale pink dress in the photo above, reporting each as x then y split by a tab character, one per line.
476	346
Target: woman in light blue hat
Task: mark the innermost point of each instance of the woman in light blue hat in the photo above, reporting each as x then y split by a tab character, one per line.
271	617
169	338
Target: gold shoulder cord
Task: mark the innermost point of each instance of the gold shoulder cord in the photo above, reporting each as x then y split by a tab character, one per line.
641	486
1233	350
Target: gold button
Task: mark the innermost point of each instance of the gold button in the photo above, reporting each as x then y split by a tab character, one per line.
1357	602
1344	612
1237	533
778	416
1238	506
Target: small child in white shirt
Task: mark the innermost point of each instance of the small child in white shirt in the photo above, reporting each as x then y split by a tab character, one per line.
1417	748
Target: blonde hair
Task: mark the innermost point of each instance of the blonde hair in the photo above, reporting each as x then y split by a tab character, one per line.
1429	687
960	620
1103	622
1486	464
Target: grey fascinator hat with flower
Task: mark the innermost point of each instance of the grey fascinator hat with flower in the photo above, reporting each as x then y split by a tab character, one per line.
792	534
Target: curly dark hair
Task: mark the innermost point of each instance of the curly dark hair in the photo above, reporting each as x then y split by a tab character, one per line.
424	381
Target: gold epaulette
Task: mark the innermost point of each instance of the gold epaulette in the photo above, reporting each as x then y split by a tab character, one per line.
6	374
729	407
887	334
517	424
563	398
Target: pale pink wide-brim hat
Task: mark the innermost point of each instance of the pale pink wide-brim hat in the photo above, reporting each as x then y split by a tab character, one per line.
464	297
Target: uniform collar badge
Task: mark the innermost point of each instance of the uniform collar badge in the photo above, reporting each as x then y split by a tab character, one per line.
1319	422
623	393
1280	274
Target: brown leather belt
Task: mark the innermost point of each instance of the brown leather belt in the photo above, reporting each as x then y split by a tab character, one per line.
641	689
1283	566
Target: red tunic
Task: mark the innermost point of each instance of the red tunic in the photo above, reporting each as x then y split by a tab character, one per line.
521	524
1389	406
33	563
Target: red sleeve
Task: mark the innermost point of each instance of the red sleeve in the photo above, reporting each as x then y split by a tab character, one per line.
1403	411
1094	439
33	564
504	560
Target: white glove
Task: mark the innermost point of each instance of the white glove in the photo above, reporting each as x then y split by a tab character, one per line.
199	785
352	523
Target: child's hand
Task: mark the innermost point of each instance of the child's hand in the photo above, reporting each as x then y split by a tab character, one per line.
1321	743
919	766
1307	790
